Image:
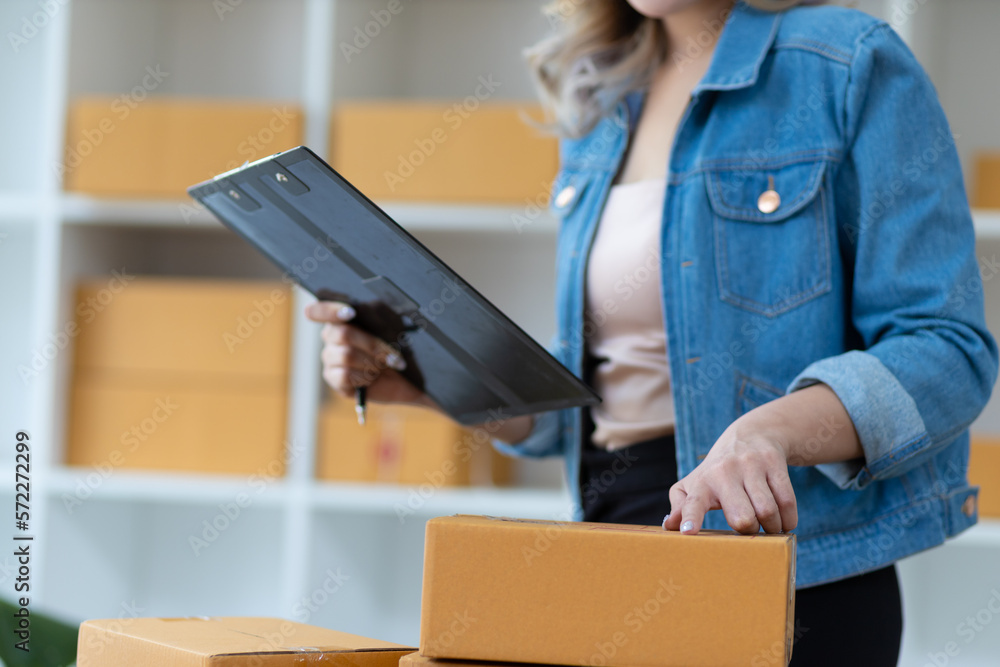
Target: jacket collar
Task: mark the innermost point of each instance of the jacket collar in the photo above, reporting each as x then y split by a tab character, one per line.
743	44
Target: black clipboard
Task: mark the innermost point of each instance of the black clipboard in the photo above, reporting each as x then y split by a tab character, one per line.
333	241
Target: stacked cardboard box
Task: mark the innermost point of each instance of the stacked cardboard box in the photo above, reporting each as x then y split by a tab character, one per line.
157	147
180	374
404	445
984	472
226	642
417	660
457	151
986	181
526	592
545	592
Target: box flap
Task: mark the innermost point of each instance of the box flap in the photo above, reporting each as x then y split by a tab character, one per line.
534	524
222	636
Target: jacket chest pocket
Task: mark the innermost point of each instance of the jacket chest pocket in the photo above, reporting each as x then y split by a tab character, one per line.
771	228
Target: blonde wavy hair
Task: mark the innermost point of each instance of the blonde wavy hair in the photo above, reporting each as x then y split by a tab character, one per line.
599	51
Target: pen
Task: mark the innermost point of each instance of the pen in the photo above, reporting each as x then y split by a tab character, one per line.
359	404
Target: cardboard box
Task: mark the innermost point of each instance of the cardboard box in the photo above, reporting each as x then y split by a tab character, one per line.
443	151
184	326
180	374
226	642
986	188
984	472
417	660
157	147
403	445
600	594
138	421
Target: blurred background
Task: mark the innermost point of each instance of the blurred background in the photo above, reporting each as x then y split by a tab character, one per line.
185	459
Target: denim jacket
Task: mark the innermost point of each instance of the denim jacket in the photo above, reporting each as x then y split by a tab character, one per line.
864	277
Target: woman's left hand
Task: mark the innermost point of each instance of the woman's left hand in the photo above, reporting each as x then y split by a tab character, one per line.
746	476
746	472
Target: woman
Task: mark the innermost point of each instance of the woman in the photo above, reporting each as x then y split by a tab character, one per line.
766	267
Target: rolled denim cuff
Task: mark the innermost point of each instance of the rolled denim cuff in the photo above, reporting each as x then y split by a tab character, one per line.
885	416
543	440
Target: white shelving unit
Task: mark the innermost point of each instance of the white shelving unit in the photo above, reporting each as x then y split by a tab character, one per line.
352	552
171	544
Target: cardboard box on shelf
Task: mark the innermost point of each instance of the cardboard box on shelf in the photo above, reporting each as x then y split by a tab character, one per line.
986	188
403	444
184	326
984	472
225	642
160	146
181	375
443	151
546	592
417	660
139	421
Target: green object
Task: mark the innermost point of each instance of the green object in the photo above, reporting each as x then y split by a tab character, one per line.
52	643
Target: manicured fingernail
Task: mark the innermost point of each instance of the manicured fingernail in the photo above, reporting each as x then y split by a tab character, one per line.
687	526
393	360
345	313
664	523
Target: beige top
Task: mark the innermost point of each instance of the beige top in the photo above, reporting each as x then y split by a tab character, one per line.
624	319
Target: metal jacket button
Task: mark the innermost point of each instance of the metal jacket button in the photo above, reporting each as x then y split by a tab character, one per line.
969	506
565	196
769	200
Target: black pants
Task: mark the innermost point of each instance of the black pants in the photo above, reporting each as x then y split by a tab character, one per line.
856	621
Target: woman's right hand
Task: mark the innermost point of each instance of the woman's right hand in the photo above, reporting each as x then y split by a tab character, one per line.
353	358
